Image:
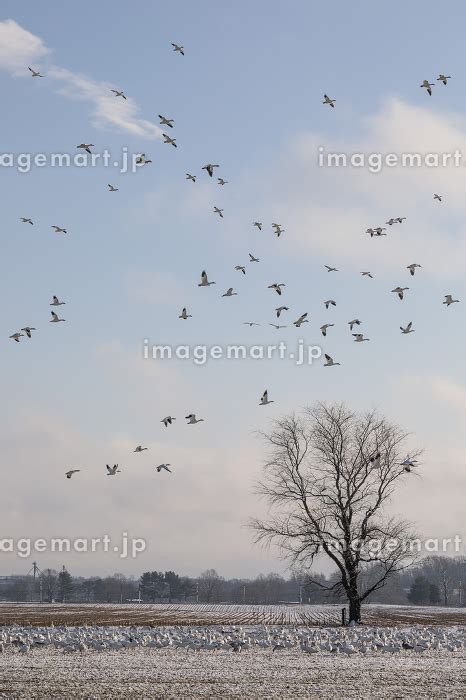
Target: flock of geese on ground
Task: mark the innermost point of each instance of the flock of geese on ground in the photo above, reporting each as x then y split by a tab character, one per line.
350	641
276	287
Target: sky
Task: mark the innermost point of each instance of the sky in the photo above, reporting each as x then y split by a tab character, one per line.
247	95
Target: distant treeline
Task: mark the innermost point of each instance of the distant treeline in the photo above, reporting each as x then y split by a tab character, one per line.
436	580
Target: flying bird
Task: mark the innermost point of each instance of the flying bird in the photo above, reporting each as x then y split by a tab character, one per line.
221	181
328	101
167	420
177	48
230	293
192	420
204	280
168	139
70	473
119	93
140	448
374	462
28	330
252	258
184	315
277	327
166	122
359	337
329	302
355	322
250	323
17	336
111	188
444	78
86	146
331	269
280	309
330	361
325	327
276	287
219	212
265	399
191	177
210	168
302	319
367	274
142	160
57	229
35	73
449	300
437	196
164	466
56	302
111	471
258	225
240	268
27	221
409	328
55	318
412	268
428	86
400	291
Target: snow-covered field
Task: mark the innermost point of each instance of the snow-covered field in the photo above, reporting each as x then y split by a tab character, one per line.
212	614
201	662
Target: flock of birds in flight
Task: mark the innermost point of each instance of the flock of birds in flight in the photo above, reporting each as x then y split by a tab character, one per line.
276	287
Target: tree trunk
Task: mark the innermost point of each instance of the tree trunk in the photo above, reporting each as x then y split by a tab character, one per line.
354	608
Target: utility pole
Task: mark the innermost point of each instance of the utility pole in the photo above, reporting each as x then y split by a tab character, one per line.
197	591
36	574
244	595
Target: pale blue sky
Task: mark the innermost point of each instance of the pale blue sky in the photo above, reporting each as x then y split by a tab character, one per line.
248	95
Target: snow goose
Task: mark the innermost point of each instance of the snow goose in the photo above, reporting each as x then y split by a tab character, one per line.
35	73
166	122
119	93
330	361
428	86
265	399
367	274
142	160
252	258
204	280
400	219
58	229
26	220
192	420
277	327
140	448
177	48
56	301
329	302
70	473
86	146
449	300
55	318
378	231
258	224
190	177
111	188
438	197
111	471
17	336
168	139
210	168
280	309
444	78
164	466
354	322
400	291
412	268
167	420
221	181
331	269
325	327
302	319
328	101
250	323
230	293
359	337
276	287
409	329
219	212
184	315
28	330
240	268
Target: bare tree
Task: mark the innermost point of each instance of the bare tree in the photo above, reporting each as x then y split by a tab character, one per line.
329	476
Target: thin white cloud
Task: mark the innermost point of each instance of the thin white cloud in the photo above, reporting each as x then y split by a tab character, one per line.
19	49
